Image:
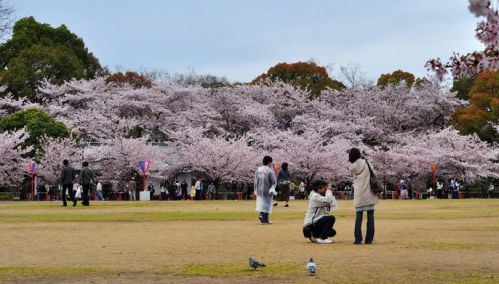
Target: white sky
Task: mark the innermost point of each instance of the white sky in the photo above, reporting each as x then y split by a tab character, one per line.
242	39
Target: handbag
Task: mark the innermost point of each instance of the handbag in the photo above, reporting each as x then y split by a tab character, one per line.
78	193
374	183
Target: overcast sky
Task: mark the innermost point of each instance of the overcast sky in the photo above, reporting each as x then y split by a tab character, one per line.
242	39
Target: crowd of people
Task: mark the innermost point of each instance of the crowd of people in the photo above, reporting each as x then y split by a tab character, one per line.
270	181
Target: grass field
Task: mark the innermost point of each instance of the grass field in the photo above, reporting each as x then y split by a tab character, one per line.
209	242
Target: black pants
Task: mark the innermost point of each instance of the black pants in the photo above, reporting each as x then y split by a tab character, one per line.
370	227
69	188
172	194
84	195
184	193
284	192
264	217
323	228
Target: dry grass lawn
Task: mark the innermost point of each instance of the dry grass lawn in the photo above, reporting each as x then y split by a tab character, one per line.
209	242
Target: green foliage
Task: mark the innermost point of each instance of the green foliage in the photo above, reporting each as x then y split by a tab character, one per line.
396	78
38	124
6	196
463	87
239	269
304	75
32	271
38	52
26	72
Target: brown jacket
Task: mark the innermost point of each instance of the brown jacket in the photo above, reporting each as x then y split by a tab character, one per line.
132	186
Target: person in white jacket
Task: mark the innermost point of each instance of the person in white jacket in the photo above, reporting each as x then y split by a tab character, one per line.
265	183
99	191
320	202
363	198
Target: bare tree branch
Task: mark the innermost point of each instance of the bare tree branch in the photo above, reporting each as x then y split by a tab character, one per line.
354	76
6	12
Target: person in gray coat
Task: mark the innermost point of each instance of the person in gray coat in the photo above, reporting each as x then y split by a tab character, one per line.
67	178
364	199
86	180
265	183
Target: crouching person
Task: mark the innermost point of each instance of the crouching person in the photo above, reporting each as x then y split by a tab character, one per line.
318	224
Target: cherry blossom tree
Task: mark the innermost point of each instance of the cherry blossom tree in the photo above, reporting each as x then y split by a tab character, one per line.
311	158
224	132
9	105
457	156
378	113
13	165
222	159
312	154
473	63
55	150
117	158
98	111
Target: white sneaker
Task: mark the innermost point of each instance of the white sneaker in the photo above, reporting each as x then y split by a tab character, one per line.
325	241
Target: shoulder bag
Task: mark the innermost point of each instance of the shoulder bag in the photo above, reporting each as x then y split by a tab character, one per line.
374	183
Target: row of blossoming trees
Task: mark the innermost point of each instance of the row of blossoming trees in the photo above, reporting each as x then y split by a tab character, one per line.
224	132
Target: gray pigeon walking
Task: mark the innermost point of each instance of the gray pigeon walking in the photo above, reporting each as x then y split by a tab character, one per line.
255	263
311	267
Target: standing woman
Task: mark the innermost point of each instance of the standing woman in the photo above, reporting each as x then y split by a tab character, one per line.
363	198
284	183
193	192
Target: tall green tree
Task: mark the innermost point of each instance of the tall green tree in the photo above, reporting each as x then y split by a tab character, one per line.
304	75
38	52
38	124
463	87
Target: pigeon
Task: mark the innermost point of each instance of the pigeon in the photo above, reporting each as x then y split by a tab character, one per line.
311	267
255	263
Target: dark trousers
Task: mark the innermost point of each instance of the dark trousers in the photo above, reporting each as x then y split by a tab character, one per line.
199	194
264	217
69	188
370	227
323	228
172	194
84	195
246	195
284	192
184	193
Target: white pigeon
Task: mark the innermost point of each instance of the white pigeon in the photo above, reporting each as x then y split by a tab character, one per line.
311	267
